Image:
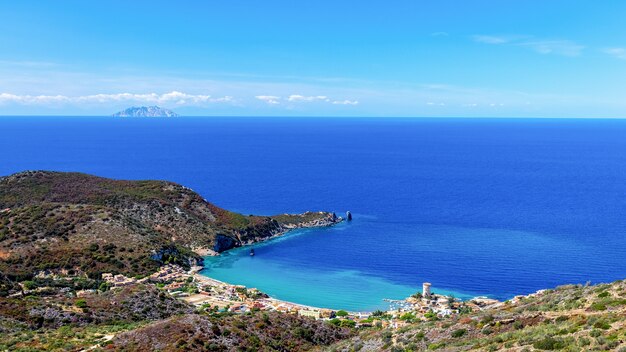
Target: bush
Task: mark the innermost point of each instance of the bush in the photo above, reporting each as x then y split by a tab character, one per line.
410	317
81	303
598	306
458	333
347	323
602	325
341	313
549	343
378	313
29	285
595	333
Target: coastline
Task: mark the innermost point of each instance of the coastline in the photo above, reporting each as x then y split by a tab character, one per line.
284	224
285	231
214	282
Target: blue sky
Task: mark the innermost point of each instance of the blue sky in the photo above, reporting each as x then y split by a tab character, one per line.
315	58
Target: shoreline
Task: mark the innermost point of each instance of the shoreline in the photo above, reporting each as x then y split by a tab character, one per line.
211	281
195	270
285	229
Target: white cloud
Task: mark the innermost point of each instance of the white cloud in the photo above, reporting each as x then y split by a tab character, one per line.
542	46
270	99
619	53
346	102
296	97
173	97
490	39
559	47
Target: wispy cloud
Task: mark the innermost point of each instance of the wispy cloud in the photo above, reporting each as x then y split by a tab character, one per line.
270	99
559	47
173	97
542	46
490	39
297	98
346	102
619	53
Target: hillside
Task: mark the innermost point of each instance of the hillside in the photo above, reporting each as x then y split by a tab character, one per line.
568	318
145	318
73	223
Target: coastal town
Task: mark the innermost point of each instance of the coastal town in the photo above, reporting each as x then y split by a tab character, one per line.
212	295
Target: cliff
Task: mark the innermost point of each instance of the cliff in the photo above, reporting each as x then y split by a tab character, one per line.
78	223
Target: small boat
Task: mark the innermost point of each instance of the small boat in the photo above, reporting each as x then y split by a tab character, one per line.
252	252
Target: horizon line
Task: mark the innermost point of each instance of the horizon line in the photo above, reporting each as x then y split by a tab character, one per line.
328	116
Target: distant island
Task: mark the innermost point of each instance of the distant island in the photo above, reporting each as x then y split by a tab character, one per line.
146	111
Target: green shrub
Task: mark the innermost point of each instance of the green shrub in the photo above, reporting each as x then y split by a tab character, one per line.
335	321
595	333
549	343
602	325
80	303
341	313
378	313
347	323
29	285
458	333
598	306
410	317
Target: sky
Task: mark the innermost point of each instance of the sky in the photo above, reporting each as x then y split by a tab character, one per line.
413	58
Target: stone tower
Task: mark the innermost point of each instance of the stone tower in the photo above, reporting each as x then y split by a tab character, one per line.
426	289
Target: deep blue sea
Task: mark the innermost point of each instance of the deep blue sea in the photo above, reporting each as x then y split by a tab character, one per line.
494	207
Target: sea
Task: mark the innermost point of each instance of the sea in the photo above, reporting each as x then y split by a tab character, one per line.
477	207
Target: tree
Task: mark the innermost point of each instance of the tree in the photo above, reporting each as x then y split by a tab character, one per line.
341	313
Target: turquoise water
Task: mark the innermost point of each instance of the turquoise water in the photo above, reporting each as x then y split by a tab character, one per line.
337	289
495	207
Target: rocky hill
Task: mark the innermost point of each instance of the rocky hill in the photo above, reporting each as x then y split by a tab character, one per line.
144	318
145	111
568	318
72	223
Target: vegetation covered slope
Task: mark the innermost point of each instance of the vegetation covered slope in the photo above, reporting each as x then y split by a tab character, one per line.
142	317
257	331
568	318
74	222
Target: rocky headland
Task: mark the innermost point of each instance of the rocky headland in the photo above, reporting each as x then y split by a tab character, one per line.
83	224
